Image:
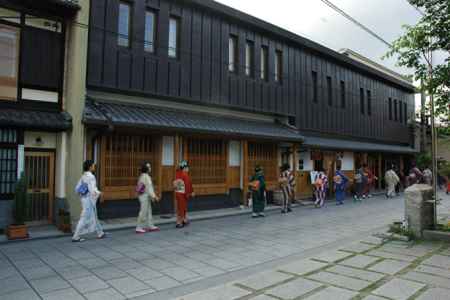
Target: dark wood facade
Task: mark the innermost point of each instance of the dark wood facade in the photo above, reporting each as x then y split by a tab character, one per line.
200	73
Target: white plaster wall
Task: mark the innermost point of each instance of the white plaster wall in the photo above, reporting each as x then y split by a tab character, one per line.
48	140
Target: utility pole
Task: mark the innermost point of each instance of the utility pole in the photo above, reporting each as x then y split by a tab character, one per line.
423	120
433	137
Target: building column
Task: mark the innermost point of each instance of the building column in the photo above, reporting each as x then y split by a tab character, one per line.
60	175
380	162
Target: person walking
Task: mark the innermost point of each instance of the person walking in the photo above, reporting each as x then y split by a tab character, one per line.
285	188
146	195
427	176
89	194
321	184
340	184
359	184
183	192
258	189
391	179
415	175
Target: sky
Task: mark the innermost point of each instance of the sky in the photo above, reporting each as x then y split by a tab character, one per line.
314	20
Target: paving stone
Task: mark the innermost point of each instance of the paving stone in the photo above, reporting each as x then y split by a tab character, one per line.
263	297
359	261
433	271
127	285
13	284
74	272
428	279
66	294
140	293
358	247
389	266
125	264
157	264
208	271
8	271
440	261
88	284
373	297
108	273
162	283
435	294
27	294
302	267
49	284
389	255
144	273
372	240
294	289
332	293
180	274
108	294
39	272
360	274
332	256
412	251
263	280
340	280
398	289
221	292
93	263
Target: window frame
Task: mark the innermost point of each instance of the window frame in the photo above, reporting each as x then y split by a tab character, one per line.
249	58
10	145
395	110
314	86
278	67
343	95
400	115
362	102
405	110
153	43
330	90
264	63
369	102
390	108
120	36
177	38
233	54
18	31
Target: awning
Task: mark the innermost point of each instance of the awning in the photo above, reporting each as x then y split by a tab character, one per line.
39	120
143	116
340	144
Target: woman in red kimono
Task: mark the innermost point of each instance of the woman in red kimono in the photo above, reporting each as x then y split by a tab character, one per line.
183	192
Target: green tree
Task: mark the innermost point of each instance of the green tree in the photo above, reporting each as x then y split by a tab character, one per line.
21	201
430	35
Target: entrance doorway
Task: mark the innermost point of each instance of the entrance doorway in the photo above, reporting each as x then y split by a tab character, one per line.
40	174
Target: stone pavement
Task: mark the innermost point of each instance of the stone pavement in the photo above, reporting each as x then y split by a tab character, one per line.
172	263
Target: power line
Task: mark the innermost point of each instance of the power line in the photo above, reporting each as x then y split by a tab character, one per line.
356	22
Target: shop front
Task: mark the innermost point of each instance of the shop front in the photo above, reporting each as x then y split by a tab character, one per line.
222	152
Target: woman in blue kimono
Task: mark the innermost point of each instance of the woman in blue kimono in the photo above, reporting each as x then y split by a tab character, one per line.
340	183
258	188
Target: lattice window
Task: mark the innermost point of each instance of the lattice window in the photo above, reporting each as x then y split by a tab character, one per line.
123	157
208	161
8	161
264	155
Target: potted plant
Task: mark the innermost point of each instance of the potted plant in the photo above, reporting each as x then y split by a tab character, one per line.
18	230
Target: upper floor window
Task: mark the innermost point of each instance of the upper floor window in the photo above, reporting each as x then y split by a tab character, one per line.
278	66
361	100
232	54
395	110
405	110
264	62
343	94
124	24
8	161
150	31
249	61
314	87
330	91
9	61
400	106
369	103
173	37
390	109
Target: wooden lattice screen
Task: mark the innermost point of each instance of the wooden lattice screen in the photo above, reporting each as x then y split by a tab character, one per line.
264	155
123	157
208	160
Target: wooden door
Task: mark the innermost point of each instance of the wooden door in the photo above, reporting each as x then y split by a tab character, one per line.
40	173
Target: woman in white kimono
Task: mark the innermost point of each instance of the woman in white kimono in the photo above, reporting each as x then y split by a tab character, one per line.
89	193
146	194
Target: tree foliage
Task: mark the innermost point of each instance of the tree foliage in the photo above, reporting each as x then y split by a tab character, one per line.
430	34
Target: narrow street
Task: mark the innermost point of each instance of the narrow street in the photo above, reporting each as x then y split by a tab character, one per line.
173	263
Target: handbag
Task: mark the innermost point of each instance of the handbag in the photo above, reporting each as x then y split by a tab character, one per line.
140	188
254	185
82	189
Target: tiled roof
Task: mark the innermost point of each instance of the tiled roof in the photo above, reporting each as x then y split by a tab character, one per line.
133	115
342	144
28	119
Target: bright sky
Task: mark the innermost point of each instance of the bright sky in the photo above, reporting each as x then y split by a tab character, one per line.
316	21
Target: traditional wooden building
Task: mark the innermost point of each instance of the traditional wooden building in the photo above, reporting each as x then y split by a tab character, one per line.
194	79
33	120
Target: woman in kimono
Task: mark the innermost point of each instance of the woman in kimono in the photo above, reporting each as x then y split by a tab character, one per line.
89	193
146	194
183	192
258	189
391	180
340	183
285	186
321	183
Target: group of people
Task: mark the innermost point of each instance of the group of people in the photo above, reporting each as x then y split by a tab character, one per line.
88	191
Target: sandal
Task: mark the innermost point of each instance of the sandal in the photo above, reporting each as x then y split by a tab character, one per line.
78	240
179	226
101	236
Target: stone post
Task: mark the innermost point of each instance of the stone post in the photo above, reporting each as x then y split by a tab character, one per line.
418	212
